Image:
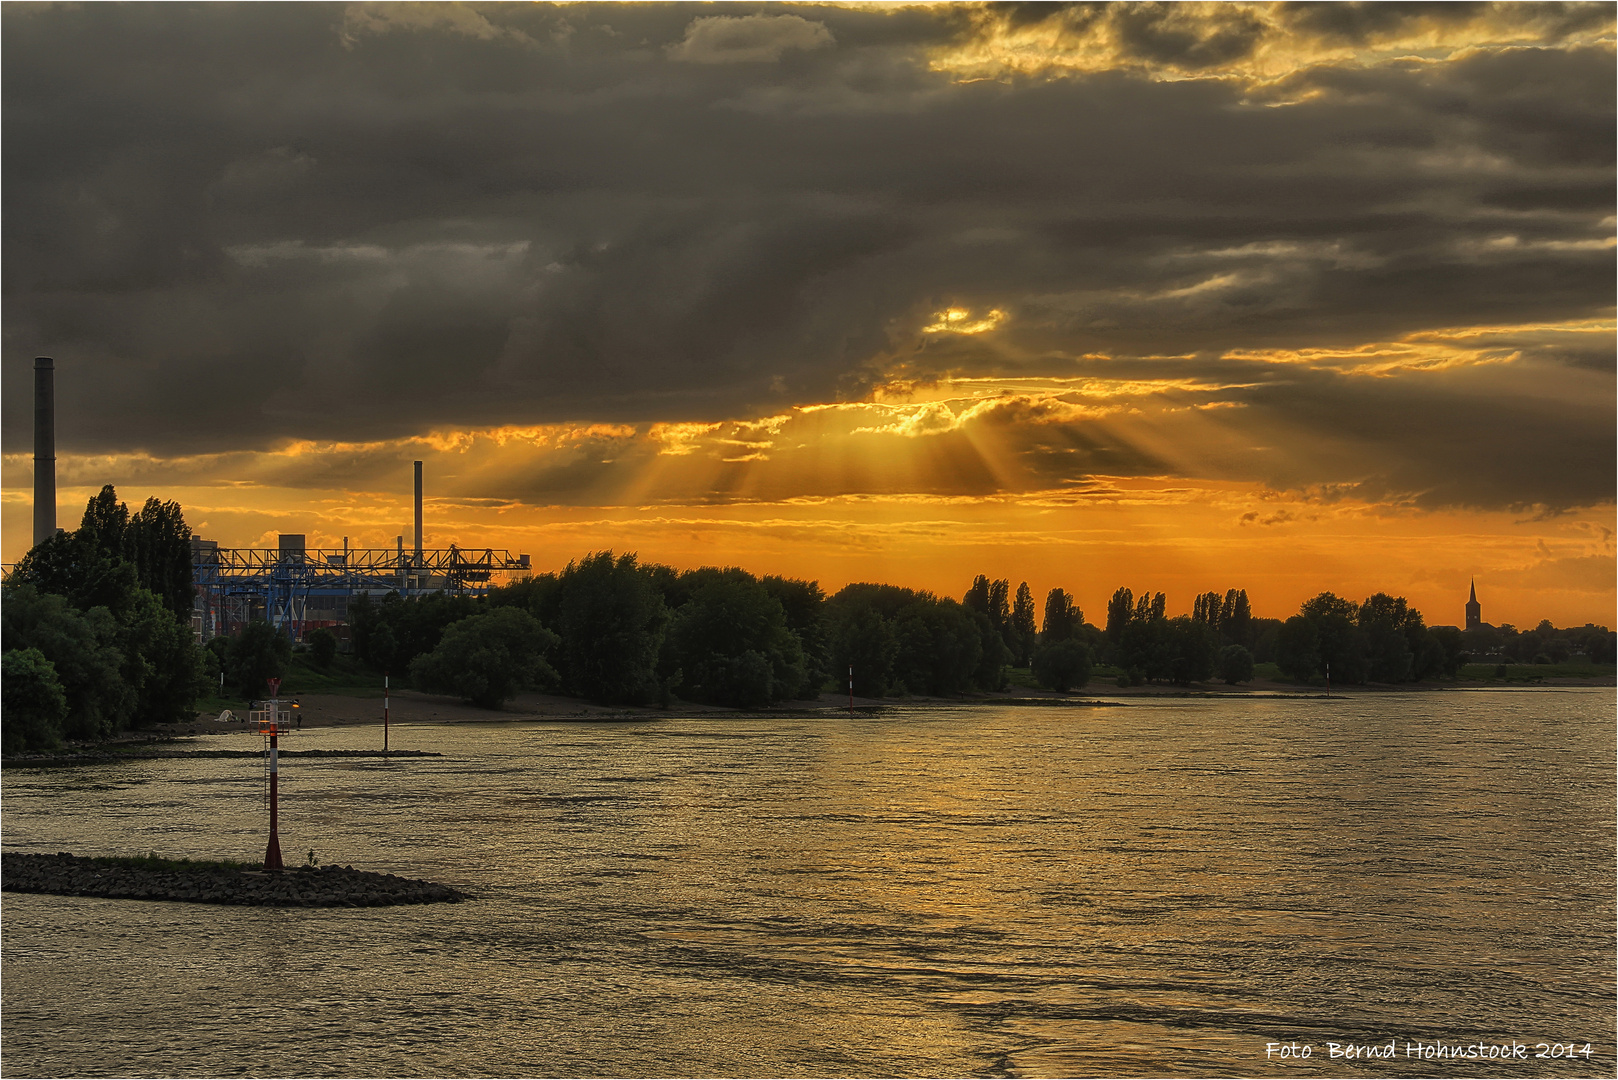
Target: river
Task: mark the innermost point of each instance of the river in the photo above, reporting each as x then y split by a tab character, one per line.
1160	887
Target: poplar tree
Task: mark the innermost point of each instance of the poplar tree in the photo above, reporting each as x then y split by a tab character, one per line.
1023	630
1062	617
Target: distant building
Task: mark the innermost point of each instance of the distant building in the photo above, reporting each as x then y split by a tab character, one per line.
1474	610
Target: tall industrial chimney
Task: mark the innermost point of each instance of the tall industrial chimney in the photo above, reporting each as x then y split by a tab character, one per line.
418	514
45	449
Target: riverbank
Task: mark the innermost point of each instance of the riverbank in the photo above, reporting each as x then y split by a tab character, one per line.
63	874
413	707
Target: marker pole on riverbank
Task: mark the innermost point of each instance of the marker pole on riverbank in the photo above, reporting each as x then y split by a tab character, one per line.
851	691
384	712
1328	678
272	853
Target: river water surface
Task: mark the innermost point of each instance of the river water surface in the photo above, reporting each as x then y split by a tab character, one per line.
1145	889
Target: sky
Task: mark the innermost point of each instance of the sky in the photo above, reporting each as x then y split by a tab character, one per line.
1287	298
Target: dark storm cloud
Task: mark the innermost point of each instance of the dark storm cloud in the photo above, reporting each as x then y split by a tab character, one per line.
1436	440
236	224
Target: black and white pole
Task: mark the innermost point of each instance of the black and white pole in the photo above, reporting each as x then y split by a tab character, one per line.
851	691
384	712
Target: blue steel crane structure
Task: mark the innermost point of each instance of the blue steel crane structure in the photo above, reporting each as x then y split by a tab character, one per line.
285	581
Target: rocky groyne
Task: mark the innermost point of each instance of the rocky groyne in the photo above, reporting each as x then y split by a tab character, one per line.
63	874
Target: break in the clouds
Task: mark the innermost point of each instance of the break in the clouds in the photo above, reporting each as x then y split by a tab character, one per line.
1343	250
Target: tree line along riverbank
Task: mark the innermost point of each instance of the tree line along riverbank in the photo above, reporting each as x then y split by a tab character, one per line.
97	641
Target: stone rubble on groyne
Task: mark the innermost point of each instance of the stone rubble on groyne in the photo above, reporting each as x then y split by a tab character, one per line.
64	874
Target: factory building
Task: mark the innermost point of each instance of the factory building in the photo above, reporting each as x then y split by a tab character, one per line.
299	589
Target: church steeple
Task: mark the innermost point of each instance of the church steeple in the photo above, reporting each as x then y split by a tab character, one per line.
1474	610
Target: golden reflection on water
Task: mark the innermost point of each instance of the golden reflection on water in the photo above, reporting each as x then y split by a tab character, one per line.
1153	889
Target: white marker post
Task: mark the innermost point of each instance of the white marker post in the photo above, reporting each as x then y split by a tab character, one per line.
384	712
851	691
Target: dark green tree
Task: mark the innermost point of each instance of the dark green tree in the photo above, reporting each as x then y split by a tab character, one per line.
419	623
1600	645
805	608
1297	648
322	647
1193	649
991	673
611	618
82	648
1235	664
1382	620
1236	618
104	524
138	571
940	649
34	706
1120	612
1342	649
861	640
1062	664
162	663
1264	633
214	658
1341	646
539	595
158	541
1062	617
718	637
486	659
1000	605
1451	642
71	566
363	620
257	654
1023	631
1327	603
384	650
390	633
977	597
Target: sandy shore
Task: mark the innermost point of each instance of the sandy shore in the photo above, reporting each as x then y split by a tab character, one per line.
412	707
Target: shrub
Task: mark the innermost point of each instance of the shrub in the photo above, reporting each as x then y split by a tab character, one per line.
256	655
1062	665
81	648
34	705
731	645
486	659
1235	664
322	647
611	618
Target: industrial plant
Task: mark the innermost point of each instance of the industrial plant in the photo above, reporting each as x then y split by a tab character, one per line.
292	586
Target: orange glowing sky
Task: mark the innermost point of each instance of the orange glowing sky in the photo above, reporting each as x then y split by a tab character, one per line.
1179	298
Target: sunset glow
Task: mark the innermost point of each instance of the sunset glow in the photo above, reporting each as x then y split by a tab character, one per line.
1181	298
